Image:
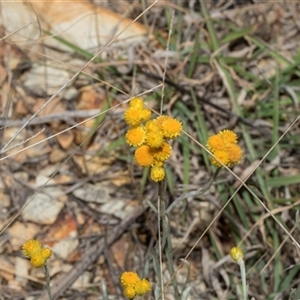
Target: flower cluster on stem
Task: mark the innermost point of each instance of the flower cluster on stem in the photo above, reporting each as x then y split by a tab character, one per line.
133	285
38	255
150	137
225	149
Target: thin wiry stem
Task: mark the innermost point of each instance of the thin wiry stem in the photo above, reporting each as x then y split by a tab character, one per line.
48	282
161	207
243	276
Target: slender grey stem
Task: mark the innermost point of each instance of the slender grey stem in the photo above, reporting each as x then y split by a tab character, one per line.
48	282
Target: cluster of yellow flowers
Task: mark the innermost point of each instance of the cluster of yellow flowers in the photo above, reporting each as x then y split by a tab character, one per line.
133	285
38	255
224	147
150	137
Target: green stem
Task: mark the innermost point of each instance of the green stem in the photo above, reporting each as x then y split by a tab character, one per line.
161	237
48	282
243	275
165	242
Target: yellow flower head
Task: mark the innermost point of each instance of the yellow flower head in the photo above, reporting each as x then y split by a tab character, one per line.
152	126
144	156
236	254
228	136
129	279
163	153
136	136
142	287
150	136
157	173
224	147
133	116
145	114
235	154
46	253
38	260
154	139
215	142
222	158
38	255
129	292
161	119
171	128
31	247
137	103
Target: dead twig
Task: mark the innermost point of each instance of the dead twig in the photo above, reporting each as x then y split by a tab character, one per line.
66	116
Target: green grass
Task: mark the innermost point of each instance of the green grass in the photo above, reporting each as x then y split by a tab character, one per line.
240	210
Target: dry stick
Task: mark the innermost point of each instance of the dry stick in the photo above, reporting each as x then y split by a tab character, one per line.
66	116
61	284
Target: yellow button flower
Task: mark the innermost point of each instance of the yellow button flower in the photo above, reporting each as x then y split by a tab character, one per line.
152	125
31	247
222	158
157	173
136	136
38	260
215	143
154	139
46	253
161	119
142	287
171	128
129	292
228	136
129	279
144	156
38	255
137	103
236	254
162	153
225	149
145	114
235	154
133	116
